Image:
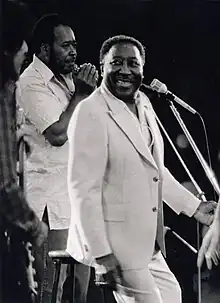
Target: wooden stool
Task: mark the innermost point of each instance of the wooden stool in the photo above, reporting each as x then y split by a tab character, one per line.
60	257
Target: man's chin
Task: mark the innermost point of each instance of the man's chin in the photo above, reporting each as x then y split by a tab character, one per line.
126	95
67	71
127	98
68	68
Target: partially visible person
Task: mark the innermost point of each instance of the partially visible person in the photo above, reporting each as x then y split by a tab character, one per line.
17	218
49	90
210	248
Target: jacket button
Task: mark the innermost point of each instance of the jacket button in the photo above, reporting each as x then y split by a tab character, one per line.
154	209
155	179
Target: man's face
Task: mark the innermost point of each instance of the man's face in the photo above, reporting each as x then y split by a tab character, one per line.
63	51
19	58
123	71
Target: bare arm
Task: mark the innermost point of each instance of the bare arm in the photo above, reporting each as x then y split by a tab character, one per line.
86	81
56	133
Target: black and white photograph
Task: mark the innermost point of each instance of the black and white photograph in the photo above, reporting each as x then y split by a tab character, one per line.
109	151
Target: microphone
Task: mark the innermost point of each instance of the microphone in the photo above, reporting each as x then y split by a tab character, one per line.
162	89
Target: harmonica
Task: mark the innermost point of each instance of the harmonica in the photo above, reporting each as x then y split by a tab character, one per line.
76	69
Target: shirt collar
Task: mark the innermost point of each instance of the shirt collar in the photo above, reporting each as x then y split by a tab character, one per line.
141	100
108	94
43	69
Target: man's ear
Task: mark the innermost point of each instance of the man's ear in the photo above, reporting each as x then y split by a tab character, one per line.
44	47
101	68
45	50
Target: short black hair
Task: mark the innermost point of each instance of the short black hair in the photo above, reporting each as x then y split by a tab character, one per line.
43	31
119	39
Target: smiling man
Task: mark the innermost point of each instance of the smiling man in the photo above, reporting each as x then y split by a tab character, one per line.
123	85
117	182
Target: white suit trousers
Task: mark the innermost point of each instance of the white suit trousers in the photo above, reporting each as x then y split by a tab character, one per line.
155	284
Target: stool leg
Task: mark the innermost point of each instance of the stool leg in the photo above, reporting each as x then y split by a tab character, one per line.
72	284
102	294
56	280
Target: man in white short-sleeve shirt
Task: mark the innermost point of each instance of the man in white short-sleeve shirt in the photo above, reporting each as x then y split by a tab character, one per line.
48	91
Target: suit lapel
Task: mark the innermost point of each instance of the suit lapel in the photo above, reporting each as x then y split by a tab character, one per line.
158	144
131	128
132	131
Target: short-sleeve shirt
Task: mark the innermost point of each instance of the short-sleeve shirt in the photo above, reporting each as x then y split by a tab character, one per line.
43	99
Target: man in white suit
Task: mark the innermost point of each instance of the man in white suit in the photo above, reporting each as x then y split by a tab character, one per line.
117	181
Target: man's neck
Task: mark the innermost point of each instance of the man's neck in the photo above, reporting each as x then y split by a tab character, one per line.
41	58
52	68
133	108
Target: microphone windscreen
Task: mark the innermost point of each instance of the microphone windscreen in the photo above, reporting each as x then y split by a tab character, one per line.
158	86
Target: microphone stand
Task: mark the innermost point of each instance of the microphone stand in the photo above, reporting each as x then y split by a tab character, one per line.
210	175
208	171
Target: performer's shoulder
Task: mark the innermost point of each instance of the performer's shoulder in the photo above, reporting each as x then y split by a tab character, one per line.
93	101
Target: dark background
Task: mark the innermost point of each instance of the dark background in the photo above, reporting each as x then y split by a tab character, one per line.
183	50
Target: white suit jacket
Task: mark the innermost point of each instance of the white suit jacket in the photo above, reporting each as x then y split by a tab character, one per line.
116	186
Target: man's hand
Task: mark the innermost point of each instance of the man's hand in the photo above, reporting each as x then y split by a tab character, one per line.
205	212
87	78
210	249
108	271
